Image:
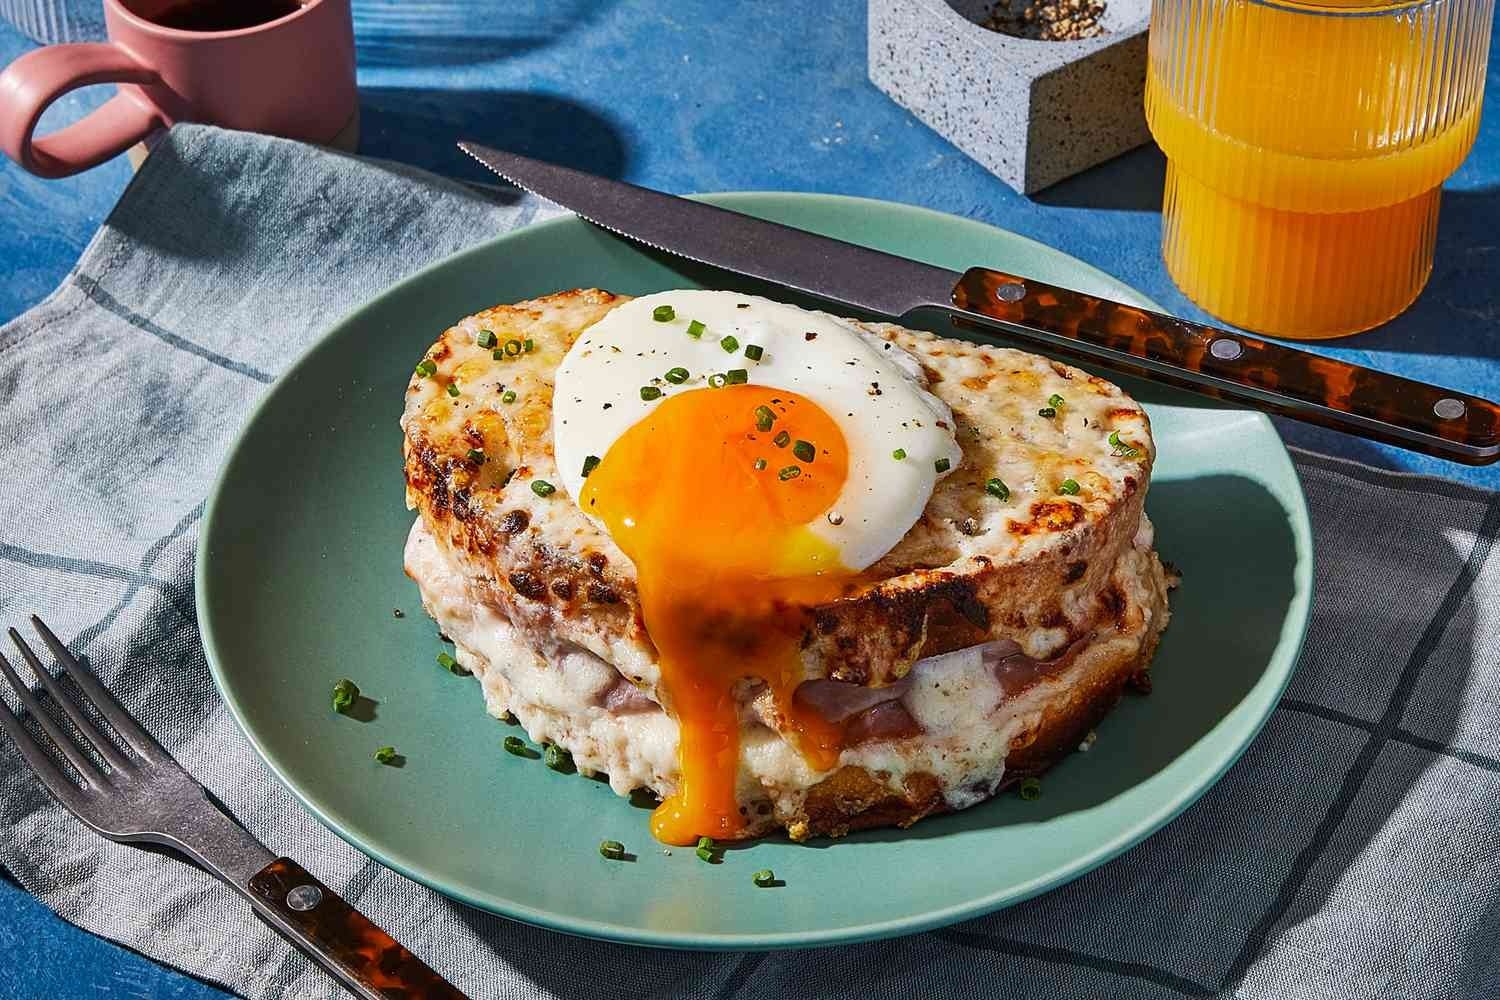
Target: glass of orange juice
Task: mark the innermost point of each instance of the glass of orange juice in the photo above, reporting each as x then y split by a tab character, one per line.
1306	147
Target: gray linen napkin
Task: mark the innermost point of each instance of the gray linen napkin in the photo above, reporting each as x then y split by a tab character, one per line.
1351	853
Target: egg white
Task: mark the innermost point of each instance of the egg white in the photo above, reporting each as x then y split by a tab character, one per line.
869	387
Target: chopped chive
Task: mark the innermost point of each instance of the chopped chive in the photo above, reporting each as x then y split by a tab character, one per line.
729	344
453	389
706	850
516	745
676	376
485	339
1068	486
1122	448
1055	400
449	664
512	348
804	450
386	755
498	354
664	314
899	454
716	381
759	464
997	489
557	758
476	456
590	463
764	418
736	376
789	472
345	694
528	345
426	367
1031	789
542	488
942	465
764	879
695	329
650	392
754	352
782	440
613	849
1047	411
508	396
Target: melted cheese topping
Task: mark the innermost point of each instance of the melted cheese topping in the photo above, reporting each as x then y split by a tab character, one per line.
702	502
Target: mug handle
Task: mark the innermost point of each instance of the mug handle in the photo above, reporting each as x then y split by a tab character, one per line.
36	79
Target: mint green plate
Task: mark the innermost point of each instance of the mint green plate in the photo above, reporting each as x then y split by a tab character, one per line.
300	566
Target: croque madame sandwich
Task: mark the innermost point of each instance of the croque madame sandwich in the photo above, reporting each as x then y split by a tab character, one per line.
781	569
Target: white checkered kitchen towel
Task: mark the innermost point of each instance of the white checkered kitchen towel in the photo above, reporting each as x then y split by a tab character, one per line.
1354	852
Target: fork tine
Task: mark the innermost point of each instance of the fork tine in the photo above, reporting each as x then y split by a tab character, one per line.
80	760
62	787
123	722
102	744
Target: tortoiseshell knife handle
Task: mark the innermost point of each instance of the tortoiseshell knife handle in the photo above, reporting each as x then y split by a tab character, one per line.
363	957
1238	367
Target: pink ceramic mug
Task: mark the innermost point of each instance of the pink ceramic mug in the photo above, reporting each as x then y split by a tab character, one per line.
292	77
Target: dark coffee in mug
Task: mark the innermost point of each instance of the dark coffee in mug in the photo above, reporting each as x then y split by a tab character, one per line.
215	15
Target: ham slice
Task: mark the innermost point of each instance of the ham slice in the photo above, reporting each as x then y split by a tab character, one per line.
624	698
869	713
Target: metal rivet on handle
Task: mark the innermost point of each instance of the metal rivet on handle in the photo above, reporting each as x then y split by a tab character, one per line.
1449	408
304	898
1011	291
1225	349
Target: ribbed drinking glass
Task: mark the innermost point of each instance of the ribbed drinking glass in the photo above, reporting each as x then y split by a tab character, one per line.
1306	147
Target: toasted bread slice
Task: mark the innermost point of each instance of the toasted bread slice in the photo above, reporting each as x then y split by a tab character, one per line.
1058	585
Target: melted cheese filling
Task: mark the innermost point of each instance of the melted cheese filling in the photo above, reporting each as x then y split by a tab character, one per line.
714	512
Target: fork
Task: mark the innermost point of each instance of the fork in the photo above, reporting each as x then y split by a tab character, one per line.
143	796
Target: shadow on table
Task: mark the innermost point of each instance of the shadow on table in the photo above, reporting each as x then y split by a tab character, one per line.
457	32
1458	314
1131	182
558	965
422	128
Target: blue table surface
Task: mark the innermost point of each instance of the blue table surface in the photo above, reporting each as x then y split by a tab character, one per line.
710	96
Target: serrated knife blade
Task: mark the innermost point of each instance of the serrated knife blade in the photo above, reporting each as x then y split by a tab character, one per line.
1224	364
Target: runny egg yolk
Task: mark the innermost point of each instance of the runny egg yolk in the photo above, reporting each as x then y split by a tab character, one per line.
714	511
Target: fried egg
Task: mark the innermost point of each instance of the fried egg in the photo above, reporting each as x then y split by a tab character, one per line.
750	457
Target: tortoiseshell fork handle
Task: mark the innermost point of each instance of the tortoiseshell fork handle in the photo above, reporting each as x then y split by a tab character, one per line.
1239	367
365	958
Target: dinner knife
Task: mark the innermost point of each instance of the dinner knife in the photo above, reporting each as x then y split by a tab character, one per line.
1224	364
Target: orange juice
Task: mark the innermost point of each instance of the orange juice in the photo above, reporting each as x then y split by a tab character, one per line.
1306	148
